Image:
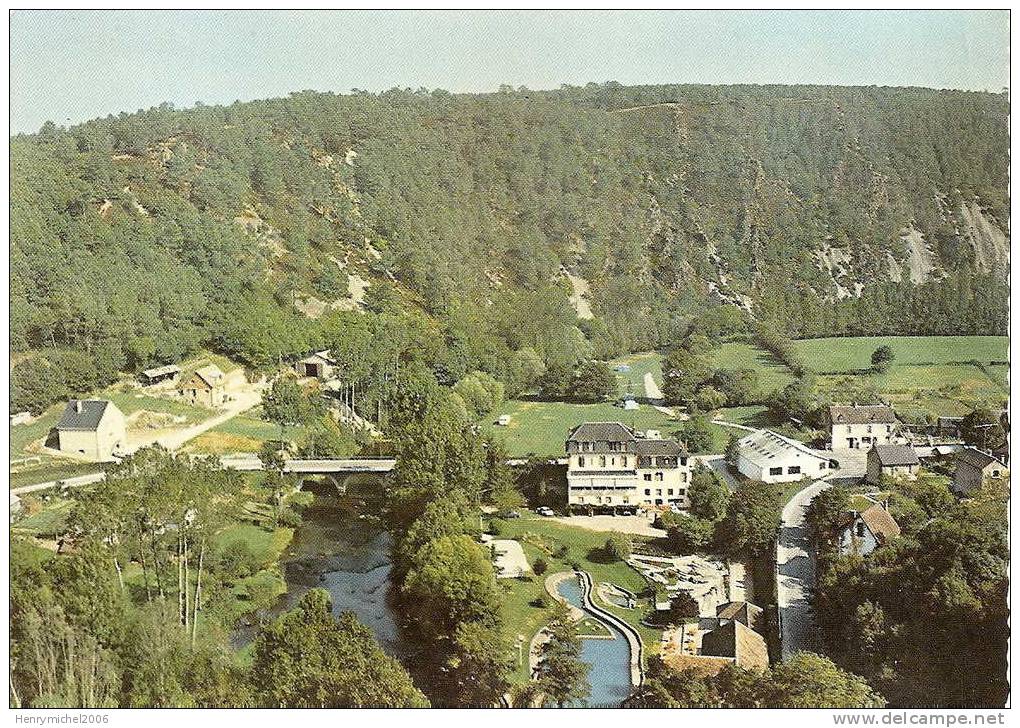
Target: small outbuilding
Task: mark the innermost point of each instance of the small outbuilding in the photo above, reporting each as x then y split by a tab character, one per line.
91	428
892	460
160	375
974	468
744	612
319	365
503	420
207	387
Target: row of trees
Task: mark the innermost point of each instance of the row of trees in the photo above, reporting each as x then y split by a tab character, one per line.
742	521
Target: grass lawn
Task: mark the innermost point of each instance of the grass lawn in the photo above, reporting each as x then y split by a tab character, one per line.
48	522
633	381
772	375
24	435
540	538
243	433
266	545
52	469
848	354
540	428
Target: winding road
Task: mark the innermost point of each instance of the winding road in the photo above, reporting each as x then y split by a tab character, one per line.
795	560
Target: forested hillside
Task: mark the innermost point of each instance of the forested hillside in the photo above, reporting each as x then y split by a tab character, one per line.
502	232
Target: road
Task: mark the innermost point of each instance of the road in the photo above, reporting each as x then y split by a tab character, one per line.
795	559
652	390
242	401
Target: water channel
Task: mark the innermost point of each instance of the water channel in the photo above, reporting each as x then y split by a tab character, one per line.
609	658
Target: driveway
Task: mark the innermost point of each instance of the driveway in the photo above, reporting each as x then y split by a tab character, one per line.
243	400
795	558
636	525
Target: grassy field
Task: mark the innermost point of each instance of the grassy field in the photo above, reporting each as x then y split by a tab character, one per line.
854	353
633	381
772	375
48	521
244	433
541	538
540	428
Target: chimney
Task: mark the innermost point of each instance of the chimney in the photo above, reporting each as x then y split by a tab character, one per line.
78	406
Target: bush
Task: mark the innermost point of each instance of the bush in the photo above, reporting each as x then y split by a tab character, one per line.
238	560
539	602
562	552
617	548
696	433
497	526
540	567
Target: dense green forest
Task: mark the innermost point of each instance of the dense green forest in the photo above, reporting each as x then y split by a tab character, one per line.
252	228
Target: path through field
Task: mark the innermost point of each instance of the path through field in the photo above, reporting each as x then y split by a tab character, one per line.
652	390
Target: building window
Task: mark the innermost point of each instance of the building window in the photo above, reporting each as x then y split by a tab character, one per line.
683	461
648	491
602	461
669	492
580	461
869	428
648	477
775	471
888	428
821	465
860	529
658	476
658	491
612	461
793	470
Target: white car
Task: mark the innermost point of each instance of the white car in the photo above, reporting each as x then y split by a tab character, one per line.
543	511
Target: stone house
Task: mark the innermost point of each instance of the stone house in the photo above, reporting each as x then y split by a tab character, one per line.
206	387
892	460
92	428
973	468
857	427
319	365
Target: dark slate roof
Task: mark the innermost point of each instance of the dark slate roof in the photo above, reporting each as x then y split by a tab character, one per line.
975	458
862	414
601	432
658	448
87	419
892	455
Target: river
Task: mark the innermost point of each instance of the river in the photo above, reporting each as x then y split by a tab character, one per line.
609	677
338	548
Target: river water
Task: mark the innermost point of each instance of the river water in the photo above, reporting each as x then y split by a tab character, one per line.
339	548
609	658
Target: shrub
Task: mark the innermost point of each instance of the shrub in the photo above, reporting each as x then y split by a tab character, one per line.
540	567
617	548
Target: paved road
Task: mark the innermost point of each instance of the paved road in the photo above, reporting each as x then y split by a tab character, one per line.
795	558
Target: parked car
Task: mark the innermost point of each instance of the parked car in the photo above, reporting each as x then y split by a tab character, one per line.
544	511
510	514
